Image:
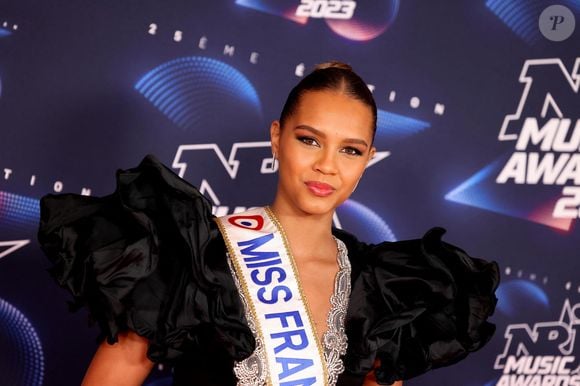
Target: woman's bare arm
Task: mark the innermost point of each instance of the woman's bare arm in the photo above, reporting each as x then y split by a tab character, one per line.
124	363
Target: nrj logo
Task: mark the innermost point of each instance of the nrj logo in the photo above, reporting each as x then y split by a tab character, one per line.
539	178
542	354
546	131
187	157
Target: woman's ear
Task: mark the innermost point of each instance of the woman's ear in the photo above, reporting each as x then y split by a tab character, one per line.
372	154
275	136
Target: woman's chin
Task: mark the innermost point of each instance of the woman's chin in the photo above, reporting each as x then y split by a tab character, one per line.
319	207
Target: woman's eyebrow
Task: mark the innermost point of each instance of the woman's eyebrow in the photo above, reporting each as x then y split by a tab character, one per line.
311	129
354	141
357	141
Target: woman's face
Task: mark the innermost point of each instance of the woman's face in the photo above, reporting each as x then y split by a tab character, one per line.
323	150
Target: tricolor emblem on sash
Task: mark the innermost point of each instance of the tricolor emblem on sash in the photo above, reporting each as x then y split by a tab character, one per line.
269	279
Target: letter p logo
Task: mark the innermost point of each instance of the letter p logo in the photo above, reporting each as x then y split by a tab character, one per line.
556	23
556	20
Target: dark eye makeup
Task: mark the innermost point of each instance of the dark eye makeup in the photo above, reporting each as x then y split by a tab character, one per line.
310	141
352	151
307	140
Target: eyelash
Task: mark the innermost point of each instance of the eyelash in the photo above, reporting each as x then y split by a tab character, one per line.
312	142
352	151
307	140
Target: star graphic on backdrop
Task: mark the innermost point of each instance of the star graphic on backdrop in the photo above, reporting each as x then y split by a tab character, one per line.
7	247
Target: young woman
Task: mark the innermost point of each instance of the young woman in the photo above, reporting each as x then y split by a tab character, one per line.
273	295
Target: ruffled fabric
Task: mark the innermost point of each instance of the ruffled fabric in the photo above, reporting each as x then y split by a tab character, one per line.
150	259
415	305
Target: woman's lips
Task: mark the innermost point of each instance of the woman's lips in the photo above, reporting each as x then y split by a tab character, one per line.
319	188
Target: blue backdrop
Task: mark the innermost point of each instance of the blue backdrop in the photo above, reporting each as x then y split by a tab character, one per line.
479	132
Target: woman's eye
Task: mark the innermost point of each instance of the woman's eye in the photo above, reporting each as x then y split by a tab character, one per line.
308	141
352	151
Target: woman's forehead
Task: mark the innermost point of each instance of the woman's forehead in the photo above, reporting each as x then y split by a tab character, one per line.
332	110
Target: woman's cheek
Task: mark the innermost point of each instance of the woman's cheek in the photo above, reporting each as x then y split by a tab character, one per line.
353	169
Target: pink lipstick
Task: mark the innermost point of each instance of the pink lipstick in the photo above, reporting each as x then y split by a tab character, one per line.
319	189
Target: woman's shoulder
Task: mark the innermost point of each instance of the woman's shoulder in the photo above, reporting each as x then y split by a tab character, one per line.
147	258
420	304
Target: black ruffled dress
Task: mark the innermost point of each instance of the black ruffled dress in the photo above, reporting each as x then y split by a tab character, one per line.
149	258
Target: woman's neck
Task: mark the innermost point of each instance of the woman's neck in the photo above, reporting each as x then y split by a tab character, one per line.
305	232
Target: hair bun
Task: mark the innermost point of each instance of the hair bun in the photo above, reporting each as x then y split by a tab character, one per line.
333	64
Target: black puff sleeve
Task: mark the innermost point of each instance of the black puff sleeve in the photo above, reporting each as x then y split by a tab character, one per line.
147	258
416	305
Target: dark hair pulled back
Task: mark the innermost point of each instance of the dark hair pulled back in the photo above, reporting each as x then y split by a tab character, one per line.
332	76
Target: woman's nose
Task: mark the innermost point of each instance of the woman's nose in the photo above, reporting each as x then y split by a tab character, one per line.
326	162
